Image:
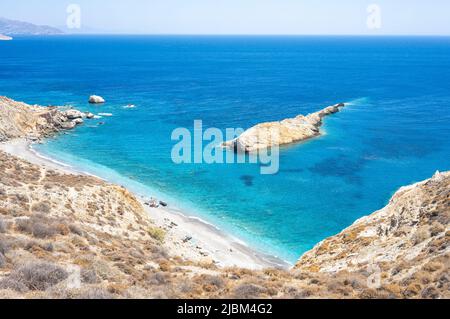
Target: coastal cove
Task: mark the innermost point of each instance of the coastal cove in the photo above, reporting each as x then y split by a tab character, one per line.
53	219
381	140
186	236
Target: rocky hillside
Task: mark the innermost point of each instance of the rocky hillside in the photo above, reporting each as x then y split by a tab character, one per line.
72	236
408	240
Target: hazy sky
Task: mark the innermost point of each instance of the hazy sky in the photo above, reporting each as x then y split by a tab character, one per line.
239	16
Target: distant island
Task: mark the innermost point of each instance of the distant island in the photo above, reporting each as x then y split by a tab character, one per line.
4	37
13	27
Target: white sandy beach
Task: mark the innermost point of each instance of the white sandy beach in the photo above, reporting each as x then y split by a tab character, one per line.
186	236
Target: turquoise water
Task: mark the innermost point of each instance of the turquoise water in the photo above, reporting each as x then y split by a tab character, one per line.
395	130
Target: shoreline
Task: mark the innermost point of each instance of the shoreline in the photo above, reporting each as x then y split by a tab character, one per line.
186	236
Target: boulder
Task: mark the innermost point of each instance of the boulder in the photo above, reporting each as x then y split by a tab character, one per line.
89	115
68	125
95	99
74	114
152	203
163	204
78	121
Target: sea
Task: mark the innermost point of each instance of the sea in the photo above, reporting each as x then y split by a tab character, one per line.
394	131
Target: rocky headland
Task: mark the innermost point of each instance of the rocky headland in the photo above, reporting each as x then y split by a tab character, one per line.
297	129
20	120
54	224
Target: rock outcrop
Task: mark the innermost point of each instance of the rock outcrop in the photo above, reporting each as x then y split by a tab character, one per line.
407	239
95	99
19	119
265	135
74	114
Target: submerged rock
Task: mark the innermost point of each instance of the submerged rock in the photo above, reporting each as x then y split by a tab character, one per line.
96	99
89	115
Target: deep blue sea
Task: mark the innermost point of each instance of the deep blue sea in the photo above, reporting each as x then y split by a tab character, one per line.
394	132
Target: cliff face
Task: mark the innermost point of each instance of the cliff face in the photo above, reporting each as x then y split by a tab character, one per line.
265	135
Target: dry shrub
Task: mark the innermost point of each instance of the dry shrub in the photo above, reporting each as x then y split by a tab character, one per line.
436	228
89	276
370	293
430	293
41	207
33	245
214	281
412	290
74	229
4	247
9	294
42	227
420	235
248	291
2	260
433	266
95	293
40	230
157	233
10	283
2	226
185	287
34	276
158	278
210	283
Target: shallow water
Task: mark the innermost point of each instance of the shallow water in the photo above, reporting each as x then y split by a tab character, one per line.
395	130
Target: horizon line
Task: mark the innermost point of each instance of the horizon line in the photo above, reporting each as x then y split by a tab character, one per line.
239	34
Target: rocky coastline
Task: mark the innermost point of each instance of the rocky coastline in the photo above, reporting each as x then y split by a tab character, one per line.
34	122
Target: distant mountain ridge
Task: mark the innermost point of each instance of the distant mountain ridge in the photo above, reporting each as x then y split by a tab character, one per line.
14	27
